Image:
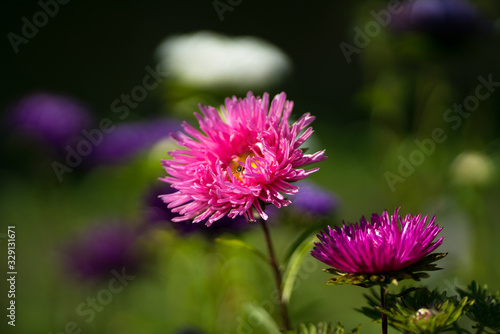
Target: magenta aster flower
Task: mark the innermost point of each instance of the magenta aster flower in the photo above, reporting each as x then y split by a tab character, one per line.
386	244
248	154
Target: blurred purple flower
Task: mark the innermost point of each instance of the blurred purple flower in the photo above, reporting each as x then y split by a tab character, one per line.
55	120
386	244
311	202
446	20
128	139
314	200
101	249
158	214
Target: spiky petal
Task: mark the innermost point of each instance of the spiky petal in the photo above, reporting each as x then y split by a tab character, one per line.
244	155
385	244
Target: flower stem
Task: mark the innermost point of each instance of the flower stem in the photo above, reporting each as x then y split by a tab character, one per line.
277	276
383	292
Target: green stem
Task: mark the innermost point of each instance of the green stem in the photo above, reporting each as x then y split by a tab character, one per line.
480	329
383	292
277	276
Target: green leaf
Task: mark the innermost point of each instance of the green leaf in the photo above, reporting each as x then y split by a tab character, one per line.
293	267
236	243
262	317
314	228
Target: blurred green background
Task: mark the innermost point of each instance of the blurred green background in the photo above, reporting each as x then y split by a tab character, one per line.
370	113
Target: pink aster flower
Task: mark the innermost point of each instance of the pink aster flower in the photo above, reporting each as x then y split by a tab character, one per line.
386	244
247	154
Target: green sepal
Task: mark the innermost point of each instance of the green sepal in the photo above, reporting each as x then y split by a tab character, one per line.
426	320
414	272
417	310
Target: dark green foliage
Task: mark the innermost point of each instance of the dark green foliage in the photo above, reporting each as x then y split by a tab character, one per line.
486	309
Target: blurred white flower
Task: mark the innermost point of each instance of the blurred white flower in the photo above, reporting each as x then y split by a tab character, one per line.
210	60
473	168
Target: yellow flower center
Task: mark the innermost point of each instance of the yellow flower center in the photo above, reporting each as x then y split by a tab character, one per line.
238	162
